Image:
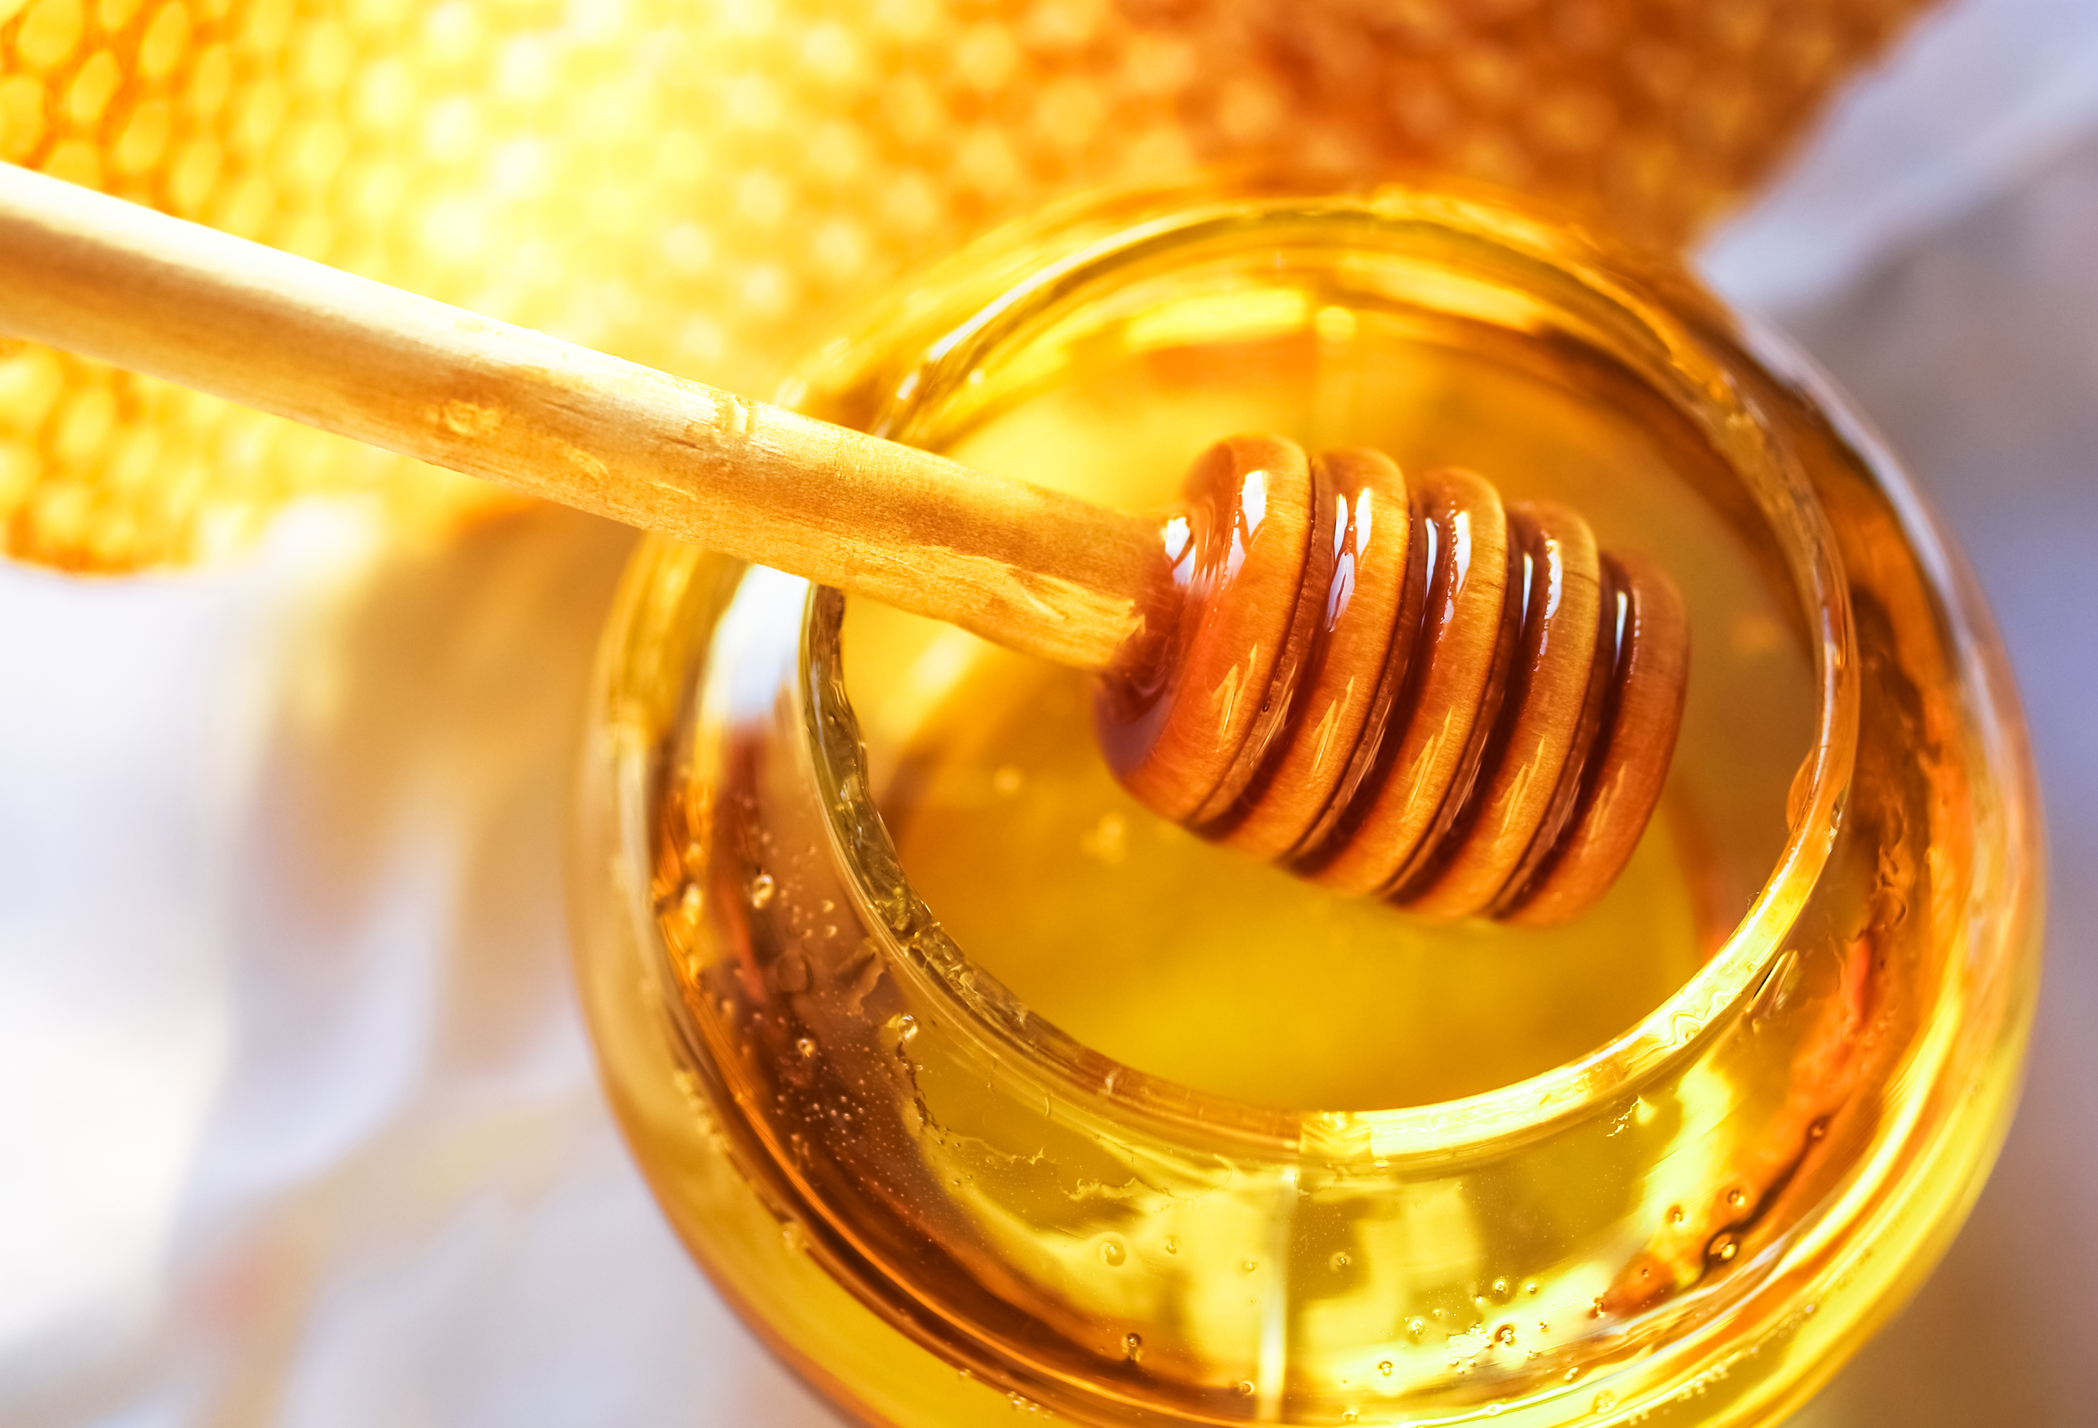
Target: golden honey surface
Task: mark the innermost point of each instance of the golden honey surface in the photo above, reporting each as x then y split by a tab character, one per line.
1205	967
704	187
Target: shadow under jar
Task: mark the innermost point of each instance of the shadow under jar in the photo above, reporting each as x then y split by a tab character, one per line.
977	1089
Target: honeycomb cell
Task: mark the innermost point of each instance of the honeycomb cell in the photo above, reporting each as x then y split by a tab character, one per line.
209	82
21	117
143	141
85	423
75	161
92	88
31	382
162	46
50	31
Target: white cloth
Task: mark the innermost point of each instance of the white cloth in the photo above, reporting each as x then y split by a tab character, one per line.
297	1120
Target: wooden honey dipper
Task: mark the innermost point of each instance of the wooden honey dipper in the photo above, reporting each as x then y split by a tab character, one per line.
1424	695
1412	693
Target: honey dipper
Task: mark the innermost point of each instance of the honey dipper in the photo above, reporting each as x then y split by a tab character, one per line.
1397	688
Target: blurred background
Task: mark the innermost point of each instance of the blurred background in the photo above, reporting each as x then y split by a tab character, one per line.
297	1118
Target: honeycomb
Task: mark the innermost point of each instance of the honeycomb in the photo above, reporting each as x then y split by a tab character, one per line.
702	187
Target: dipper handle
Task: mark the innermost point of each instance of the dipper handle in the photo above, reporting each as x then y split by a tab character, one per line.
1031	569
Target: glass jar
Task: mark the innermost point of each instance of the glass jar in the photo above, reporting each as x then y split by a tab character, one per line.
1670	1163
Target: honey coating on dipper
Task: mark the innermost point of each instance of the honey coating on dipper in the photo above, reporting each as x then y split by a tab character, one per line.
1486	734
703	187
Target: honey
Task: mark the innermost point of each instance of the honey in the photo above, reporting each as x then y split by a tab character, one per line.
1194	964
1240	980
981	1091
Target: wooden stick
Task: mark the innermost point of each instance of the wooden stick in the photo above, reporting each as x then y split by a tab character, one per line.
1031	569
1206	733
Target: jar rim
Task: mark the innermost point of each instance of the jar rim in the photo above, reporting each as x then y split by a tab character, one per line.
1684	368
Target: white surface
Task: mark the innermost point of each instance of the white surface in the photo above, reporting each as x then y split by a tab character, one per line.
1978	98
298	1119
297	1124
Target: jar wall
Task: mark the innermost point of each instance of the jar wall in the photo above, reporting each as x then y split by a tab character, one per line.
938	1204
